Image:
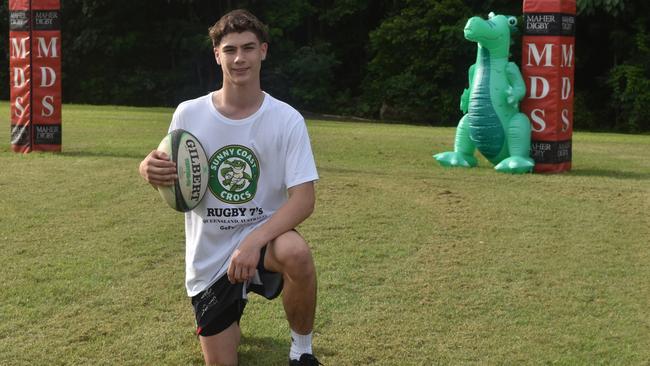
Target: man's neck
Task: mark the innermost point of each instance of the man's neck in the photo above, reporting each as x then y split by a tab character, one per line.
237	102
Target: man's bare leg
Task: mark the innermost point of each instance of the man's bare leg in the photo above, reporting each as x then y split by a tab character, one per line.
221	349
290	255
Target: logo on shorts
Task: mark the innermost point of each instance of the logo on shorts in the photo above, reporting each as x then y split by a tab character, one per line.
234	171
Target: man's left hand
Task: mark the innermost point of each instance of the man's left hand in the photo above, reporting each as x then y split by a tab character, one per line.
243	263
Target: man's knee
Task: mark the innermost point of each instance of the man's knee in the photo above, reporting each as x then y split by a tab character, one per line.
291	252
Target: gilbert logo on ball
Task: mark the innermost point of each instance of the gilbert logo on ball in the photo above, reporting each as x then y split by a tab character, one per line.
192	169
234	171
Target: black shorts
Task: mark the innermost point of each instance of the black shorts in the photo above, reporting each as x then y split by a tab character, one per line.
223	303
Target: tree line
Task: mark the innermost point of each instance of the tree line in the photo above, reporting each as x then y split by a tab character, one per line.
379	59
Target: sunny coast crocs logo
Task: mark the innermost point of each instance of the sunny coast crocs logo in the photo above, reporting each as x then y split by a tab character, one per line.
234	171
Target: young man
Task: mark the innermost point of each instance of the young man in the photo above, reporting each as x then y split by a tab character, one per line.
241	237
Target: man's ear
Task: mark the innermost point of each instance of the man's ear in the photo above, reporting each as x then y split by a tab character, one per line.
216	55
264	47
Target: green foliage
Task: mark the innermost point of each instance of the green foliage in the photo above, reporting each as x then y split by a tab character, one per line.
589	7
630	97
414	70
124	54
420	58
4	52
312	77
397	60
613	76
630	83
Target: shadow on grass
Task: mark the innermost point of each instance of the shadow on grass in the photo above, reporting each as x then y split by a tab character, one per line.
82	154
604	173
265	351
103	154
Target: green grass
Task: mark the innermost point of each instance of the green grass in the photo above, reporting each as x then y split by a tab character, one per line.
418	264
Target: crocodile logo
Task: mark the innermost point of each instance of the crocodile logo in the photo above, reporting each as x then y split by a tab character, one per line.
234	172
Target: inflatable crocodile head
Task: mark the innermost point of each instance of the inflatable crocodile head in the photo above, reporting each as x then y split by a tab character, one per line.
492	34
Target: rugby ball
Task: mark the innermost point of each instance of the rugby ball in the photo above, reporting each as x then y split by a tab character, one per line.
186	151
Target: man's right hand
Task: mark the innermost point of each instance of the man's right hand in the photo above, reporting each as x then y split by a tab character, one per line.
157	169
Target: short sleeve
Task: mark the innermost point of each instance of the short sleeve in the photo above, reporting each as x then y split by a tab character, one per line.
300	165
175	120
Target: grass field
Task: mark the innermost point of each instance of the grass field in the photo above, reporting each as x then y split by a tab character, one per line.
418	265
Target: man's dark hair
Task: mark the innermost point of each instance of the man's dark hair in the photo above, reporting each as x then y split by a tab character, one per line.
238	21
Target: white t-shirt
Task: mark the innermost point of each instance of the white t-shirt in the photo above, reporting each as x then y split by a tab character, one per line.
252	163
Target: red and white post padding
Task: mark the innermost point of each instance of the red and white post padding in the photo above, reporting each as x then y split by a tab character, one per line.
35	74
548	63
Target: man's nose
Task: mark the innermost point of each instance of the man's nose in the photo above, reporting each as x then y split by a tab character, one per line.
239	56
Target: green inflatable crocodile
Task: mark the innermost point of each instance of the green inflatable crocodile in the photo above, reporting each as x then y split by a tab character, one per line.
492	123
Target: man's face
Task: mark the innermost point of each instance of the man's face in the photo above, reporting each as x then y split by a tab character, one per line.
240	56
